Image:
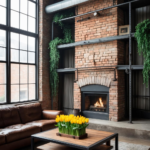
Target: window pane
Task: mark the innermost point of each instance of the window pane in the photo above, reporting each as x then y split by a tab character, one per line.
23	22
3	17
3	2
23	73
2	53
31	43
31	24
15	40
14	19
3	73
23	42
31	74
23	92
23	56
31	91
14	73
31	9
23	6
14	93
2	93
15	5
14	55
31	57
3	38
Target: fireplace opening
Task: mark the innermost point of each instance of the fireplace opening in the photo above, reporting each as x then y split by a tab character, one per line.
96	103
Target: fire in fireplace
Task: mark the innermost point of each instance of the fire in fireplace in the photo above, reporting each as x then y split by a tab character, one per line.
98	106
96	103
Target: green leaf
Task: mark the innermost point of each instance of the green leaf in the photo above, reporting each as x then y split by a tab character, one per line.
63	125
142	36
75	128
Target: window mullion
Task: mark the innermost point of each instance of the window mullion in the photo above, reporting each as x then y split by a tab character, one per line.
8	55
37	51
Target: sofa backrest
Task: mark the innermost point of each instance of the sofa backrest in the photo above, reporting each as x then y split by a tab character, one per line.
30	112
9	116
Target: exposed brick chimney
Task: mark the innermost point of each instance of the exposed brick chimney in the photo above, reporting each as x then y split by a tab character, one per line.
101	54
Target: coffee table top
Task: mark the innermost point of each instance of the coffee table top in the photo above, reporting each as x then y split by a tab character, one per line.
94	138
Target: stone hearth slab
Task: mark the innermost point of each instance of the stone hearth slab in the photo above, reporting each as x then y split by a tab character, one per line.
139	129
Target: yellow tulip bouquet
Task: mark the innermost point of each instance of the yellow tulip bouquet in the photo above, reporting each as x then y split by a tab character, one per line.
72	125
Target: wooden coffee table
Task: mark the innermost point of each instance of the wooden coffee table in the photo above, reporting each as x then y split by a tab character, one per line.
95	140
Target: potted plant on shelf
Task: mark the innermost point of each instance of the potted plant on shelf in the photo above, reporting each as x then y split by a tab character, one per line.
142	36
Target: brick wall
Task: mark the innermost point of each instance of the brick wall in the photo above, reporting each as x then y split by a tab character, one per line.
101	54
45	22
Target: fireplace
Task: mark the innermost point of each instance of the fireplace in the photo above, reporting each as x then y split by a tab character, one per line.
95	101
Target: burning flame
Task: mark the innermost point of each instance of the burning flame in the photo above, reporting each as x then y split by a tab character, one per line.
99	103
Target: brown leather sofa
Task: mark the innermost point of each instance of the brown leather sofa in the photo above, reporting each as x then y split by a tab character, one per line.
18	123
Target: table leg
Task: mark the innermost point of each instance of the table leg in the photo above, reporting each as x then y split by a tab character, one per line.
116	142
108	143
32	143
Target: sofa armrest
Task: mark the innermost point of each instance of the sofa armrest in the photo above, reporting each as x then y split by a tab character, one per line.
51	114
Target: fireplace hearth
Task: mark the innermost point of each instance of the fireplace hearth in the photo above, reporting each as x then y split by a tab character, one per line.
95	101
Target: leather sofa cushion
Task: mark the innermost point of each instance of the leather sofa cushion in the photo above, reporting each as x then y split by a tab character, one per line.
2	138
19	131
30	112
44	124
9	116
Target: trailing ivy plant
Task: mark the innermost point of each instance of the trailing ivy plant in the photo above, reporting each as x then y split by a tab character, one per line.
142	36
54	54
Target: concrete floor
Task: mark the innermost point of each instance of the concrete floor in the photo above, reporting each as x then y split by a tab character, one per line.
134	141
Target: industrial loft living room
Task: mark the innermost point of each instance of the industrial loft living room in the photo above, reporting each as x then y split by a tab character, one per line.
74	74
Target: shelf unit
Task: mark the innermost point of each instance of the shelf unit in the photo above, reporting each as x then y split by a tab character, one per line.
93	41
128	7
66	70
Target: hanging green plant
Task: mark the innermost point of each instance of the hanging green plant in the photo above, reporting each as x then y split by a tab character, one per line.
142	36
54	54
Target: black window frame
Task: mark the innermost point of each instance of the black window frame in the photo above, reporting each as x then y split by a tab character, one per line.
8	62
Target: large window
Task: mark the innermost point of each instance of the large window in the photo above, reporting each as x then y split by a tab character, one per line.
18	51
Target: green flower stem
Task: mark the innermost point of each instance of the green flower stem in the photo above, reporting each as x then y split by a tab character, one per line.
60	129
77	132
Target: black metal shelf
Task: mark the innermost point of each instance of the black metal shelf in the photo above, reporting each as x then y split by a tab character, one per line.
133	67
119	67
94	41
66	70
69	20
